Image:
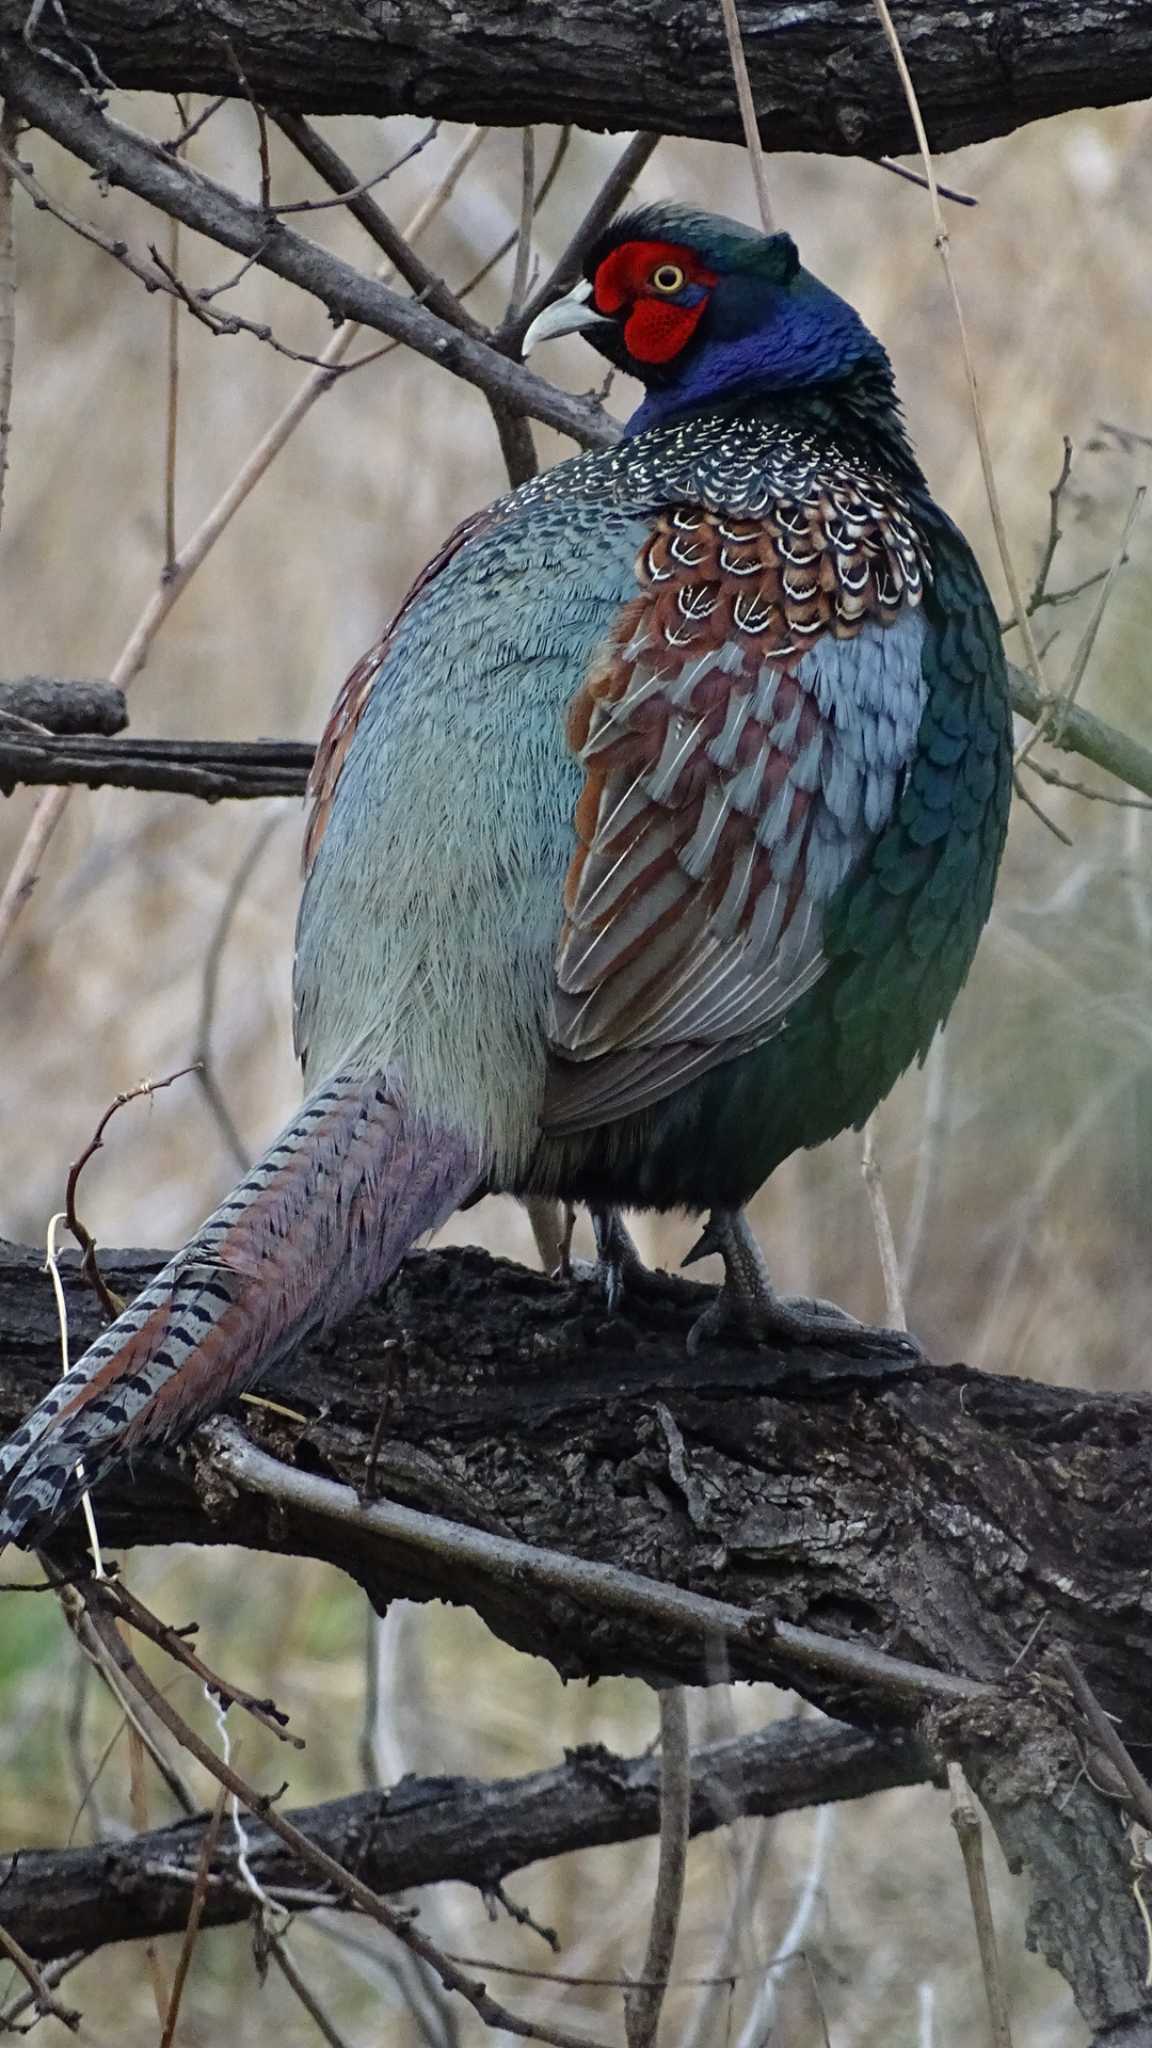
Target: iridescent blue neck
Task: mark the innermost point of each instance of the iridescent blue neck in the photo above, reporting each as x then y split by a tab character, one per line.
803	336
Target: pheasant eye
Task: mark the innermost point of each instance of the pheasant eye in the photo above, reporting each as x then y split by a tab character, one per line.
667	277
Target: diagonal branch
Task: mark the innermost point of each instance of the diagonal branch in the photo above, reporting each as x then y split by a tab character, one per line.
49	100
327	162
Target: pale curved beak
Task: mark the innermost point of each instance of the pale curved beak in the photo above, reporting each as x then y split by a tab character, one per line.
564	316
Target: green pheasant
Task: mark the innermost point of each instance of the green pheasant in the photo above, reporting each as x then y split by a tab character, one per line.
652	841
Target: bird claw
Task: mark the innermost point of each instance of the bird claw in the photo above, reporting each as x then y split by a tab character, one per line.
785	1319
620	1272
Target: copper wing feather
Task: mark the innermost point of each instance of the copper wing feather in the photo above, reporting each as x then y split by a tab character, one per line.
743	736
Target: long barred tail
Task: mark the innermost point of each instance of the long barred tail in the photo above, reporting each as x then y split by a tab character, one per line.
321	1221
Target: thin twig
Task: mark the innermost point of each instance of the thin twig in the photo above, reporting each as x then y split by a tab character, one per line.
175	1641
1055	532
172	420
172	407
489	264
94	1649
366	1741
605	1586
261	1806
970	1836
49	811
882	1225
197	122
307	1998
83	1772
1053	727
1100	796
45	2003
393	243
202	1059
50	1975
889	163
159	275
89	1269
198	302
758	2026
8	132
87	1801
642	2005
195	1912
519	290
261	124
346	194
942	243
1038	810
1136	1784
138	1807
751	125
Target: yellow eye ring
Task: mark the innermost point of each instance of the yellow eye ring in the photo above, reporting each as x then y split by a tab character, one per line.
667	277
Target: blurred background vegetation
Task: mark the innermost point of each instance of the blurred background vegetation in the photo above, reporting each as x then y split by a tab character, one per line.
1016	1164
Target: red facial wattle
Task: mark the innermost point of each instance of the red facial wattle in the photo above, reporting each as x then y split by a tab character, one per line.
660	324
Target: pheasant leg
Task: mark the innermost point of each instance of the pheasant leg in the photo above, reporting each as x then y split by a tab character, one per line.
749	1306
621	1271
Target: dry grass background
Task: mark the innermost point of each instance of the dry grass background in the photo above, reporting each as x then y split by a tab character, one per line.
1017	1164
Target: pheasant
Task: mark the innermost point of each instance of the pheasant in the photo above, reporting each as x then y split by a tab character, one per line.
651	842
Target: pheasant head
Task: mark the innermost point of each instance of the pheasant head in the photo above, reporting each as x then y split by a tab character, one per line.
702	309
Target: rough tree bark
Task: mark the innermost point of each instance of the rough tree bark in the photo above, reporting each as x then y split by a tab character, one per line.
425	1830
821	73
951	1519
943	1516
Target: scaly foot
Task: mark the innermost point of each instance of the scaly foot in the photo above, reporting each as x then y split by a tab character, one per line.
621	1271
748	1305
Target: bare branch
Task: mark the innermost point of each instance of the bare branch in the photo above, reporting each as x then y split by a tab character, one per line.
607	202
943	247
439	1830
1081	732
430	289
346	1883
607	1587
44	2001
8	129
63	707
49	100
970	1835
195	1914
208	769
642	2005
747	104
819	75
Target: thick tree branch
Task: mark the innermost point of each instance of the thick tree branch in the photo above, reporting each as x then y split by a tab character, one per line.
873	1501
426	1830
937	1516
820	73
63	707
